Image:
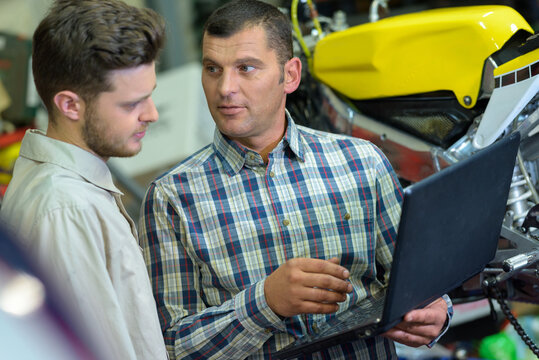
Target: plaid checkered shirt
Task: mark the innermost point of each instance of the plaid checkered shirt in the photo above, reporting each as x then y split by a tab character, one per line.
216	225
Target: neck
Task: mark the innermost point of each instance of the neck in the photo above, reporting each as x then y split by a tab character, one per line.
266	151
57	132
68	135
262	147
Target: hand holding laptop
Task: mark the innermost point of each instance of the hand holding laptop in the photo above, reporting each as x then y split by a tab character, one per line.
420	326
307	286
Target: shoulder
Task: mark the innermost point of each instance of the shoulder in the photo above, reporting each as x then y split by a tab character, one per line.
340	144
312	136
190	169
46	188
195	163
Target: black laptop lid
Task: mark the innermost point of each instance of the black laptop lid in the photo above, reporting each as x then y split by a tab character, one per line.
469	197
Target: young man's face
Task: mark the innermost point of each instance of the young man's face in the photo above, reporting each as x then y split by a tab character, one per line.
241	78
116	121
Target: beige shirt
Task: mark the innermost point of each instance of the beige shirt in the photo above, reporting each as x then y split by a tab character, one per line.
63	204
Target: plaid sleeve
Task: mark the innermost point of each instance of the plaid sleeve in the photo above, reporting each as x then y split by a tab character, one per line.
235	329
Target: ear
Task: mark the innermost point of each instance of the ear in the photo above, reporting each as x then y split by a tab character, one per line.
292	75
69	104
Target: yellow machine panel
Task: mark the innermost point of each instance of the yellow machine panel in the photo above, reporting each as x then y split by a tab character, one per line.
521	62
432	50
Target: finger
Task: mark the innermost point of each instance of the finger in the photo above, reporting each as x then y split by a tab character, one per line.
423	328
421	316
323	296
319	266
311	307
335	260
428	331
407	338
433	314
327	282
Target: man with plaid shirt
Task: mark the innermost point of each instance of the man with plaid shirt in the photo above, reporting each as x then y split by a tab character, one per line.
272	229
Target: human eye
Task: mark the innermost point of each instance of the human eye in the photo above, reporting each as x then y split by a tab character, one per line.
246	68
211	68
131	105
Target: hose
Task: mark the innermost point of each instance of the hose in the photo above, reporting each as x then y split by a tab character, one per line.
297	30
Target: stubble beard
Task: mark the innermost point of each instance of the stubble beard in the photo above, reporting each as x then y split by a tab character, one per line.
95	135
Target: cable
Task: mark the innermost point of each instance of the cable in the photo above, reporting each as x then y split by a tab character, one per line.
299	35
509	315
297	30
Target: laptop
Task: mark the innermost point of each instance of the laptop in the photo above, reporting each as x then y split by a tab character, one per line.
448	232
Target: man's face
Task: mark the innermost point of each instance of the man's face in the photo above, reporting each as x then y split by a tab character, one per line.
116	121
242	80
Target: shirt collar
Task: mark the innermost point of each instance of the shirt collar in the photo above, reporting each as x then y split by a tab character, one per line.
235	156
294	139
38	147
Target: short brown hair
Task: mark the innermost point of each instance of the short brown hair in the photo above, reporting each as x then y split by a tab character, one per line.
238	15
79	42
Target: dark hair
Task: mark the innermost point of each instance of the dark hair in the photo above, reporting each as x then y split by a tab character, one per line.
79	42
238	15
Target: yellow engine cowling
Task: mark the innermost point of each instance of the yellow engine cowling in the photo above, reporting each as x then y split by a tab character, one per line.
432	50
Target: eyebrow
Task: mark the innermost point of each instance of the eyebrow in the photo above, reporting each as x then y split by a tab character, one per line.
249	60
140	98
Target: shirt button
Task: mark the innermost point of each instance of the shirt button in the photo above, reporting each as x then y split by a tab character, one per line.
267	331
272	174
286	222
252	156
347	216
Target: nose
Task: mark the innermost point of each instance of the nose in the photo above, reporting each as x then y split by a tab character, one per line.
150	113
228	84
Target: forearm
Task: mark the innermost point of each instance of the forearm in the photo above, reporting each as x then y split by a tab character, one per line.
203	316
236	329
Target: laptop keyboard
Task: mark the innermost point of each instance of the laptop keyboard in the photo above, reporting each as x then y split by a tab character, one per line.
367	312
364	313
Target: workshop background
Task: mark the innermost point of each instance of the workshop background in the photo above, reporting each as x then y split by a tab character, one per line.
185	125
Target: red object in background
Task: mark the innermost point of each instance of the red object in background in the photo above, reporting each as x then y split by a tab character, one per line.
10	138
6	140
